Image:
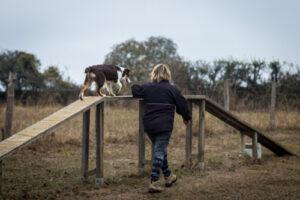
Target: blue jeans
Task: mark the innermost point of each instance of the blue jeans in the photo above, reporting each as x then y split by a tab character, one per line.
160	160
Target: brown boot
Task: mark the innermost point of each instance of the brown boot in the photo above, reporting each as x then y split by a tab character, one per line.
154	187
170	180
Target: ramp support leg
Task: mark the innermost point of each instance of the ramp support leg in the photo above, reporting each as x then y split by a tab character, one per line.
99	181
85	145
254	146
152	152
141	140
189	136
201	141
242	142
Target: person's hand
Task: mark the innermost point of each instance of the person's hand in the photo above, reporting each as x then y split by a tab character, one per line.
186	122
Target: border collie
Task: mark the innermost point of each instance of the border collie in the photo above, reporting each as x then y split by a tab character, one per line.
105	76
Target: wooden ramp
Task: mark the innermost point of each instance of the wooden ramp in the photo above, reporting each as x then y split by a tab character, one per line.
245	128
24	137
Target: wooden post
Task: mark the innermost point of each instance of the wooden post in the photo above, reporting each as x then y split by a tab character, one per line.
273	105
254	146
201	135
189	136
85	145
152	152
10	96
99	144
141	140
9	105
226	94
242	142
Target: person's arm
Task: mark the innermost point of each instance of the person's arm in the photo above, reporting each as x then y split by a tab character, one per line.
182	106
138	91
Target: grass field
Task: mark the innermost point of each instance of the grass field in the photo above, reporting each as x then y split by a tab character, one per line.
50	167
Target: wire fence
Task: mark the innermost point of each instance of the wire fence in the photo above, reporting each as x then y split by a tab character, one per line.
240	98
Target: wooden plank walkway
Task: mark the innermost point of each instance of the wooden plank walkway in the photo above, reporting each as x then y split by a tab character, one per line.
47	124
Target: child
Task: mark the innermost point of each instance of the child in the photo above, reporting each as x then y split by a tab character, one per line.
161	99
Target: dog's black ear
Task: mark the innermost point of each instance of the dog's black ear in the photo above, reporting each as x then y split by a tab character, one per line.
87	70
127	71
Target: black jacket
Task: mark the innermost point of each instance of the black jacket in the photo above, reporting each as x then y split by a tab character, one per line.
161	99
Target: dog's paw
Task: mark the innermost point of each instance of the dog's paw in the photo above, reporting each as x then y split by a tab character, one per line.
81	97
118	92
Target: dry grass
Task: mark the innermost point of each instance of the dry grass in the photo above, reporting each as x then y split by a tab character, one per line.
50	167
284	120
117	127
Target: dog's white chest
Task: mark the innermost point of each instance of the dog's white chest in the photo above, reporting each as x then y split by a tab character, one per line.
119	75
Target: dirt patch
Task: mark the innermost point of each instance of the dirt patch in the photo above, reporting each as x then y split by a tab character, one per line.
53	172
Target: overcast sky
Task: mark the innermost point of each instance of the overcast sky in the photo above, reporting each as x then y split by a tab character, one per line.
74	34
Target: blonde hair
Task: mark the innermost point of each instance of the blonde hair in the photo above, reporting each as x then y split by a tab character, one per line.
160	72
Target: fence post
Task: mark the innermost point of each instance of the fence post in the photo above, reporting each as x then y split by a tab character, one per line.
226	95
141	140
189	136
9	105
273	105
99	144
10	98
201	142
85	145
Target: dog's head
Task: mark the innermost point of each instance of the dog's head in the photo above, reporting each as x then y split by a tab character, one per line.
125	76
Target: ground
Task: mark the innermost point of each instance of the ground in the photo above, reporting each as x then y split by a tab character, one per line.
50	167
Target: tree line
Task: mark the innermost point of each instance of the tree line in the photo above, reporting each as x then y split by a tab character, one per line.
249	80
31	82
